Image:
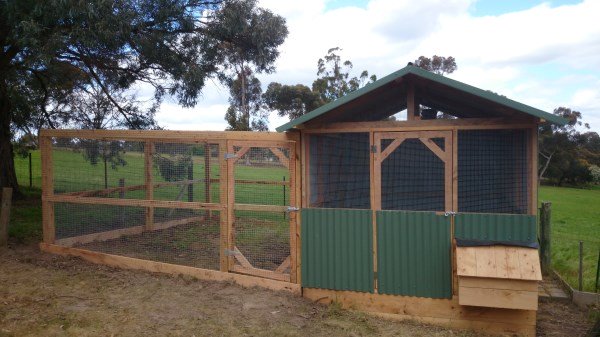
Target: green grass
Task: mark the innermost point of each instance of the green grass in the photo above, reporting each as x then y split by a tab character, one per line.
575	217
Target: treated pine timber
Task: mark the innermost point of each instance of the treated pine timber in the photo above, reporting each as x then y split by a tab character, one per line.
533	169
293	215
47	189
282	158
499	262
446	312
259	208
117	233
261	273
499	293
425	125
148	179
160	267
284	265
133	202
412	106
223	215
241	258
230	203
167	135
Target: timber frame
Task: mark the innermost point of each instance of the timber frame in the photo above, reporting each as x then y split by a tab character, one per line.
244	274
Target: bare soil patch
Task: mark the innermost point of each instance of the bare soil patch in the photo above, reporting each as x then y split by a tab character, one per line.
47	295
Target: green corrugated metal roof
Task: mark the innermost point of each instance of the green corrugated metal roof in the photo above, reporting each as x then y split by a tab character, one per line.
411	69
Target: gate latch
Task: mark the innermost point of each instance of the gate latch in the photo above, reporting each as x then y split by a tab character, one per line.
292	209
229	155
449	213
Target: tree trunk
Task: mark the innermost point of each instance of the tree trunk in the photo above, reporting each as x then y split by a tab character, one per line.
8	177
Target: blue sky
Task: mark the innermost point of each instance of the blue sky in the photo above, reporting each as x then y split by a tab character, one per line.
541	53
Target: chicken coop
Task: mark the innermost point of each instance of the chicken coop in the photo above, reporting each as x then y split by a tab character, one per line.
414	197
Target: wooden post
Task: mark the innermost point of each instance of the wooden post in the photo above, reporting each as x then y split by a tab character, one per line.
207	172
545	234
412	106
224	214
47	189
105	172
190	191
5	215
580	265
30	172
148	177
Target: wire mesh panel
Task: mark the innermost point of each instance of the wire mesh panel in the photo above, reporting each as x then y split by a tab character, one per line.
186	172
261	225
99	168
493	171
412	177
339	170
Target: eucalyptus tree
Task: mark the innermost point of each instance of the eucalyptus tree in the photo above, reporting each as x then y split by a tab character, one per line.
55	50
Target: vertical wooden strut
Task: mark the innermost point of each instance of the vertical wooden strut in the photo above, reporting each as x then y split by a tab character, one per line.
224	201
412	106
149	181
47	190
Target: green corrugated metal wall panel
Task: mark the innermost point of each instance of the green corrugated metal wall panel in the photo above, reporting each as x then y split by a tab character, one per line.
337	249
500	227
413	254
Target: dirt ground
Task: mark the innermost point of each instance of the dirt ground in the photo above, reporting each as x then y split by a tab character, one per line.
48	295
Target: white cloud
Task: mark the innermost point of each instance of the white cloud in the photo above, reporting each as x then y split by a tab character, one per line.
493	52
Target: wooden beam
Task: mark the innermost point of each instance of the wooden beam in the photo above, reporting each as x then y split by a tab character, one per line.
435	149
149	181
260	208
390	148
284	265
224	214
117	233
412	106
160	267
446	312
166	135
262	273
47	189
282	158
241	258
533	171
230	193
207	180
133	202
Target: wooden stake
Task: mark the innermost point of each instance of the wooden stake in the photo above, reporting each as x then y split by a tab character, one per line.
5	215
545	241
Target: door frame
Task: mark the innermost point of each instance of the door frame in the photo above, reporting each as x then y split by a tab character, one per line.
425	137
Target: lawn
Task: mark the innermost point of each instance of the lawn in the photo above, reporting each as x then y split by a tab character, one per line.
575	217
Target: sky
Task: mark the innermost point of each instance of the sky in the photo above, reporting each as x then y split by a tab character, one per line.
542	53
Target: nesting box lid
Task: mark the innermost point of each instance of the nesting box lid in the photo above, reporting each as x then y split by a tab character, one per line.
499	261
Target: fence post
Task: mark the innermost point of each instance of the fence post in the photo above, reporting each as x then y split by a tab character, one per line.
545	236
580	265
191	184
30	175
284	204
5	216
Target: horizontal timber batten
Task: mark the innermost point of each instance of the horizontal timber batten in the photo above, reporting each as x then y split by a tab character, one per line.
133	202
166	135
260	208
445	312
160	267
423	125
117	233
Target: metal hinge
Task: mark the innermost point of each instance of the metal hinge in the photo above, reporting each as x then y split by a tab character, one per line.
374	148
229	155
292	209
229	252
449	213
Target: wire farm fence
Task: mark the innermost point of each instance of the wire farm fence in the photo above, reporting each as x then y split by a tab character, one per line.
174	201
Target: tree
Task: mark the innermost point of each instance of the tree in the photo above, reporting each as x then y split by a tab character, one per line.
291	100
439	65
334	81
245	111
567	155
54	50
249	45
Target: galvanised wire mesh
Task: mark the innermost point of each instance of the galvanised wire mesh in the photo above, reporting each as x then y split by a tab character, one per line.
493	171
98	168
186	172
179	171
412	177
339	170
262	177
